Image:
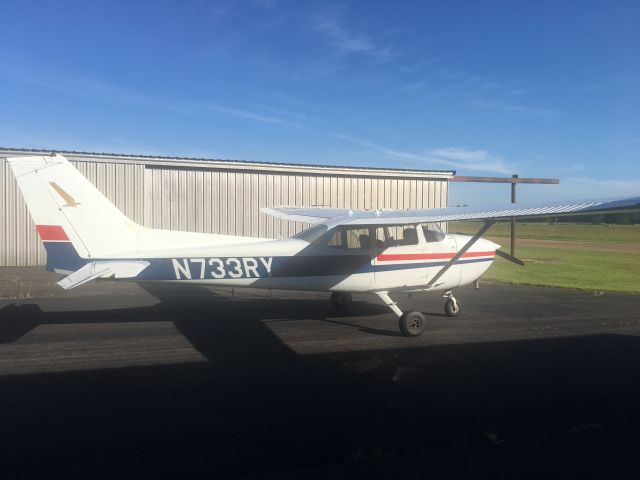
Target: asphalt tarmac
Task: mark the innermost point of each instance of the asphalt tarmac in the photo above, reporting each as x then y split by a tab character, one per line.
132	380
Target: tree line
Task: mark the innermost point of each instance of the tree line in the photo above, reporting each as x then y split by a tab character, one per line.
622	218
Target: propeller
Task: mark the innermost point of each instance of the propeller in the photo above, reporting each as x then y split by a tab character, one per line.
511	258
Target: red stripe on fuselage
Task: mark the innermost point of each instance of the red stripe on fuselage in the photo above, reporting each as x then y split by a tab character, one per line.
394	257
51	232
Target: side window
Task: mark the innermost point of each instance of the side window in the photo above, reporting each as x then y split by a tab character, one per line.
393	234
409	237
396	236
337	240
382	238
350	238
433	233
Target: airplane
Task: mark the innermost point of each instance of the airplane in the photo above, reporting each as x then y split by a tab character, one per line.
382	252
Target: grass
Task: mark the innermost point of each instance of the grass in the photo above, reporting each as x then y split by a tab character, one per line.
581	269
555	267
575	232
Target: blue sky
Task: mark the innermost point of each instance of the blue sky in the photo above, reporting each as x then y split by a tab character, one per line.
549	89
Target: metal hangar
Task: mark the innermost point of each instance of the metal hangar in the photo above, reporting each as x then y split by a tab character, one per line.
216	196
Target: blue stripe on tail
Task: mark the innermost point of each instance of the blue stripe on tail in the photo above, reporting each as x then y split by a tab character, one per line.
62	256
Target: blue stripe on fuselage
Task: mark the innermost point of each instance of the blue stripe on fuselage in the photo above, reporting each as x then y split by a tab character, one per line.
407	266
254	267
275	267
63	256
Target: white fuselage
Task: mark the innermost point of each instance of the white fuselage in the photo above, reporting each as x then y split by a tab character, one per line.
296	264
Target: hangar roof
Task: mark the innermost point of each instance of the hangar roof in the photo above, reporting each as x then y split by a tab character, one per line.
186	162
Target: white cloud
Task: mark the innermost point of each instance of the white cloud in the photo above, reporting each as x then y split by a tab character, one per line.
411	87
574	167
630	187
222	9
225	9
606	85
251	115
580	188
570	189
462	160
516	109
347	41
471	160
267	4
89	88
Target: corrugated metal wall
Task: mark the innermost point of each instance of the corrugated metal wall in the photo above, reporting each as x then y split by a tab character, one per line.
229	202
216	200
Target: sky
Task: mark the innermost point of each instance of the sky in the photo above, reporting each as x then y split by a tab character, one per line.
493	88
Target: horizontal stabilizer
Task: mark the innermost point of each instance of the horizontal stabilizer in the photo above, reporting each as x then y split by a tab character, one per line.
104	269
85	274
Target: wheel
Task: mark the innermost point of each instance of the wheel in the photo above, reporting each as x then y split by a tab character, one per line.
341	300
451	308
412	324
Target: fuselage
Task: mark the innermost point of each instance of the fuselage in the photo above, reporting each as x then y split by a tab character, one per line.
297	264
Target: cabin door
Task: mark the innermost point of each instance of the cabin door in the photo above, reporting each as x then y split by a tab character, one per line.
398	262
409	257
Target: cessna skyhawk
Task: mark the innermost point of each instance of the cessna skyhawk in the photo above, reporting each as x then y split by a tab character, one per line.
381	252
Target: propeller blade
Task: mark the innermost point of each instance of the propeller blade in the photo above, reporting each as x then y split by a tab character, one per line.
511	258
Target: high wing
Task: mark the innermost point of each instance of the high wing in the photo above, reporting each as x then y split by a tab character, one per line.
306	214
341	216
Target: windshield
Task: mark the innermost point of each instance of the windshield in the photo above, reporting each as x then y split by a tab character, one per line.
311	234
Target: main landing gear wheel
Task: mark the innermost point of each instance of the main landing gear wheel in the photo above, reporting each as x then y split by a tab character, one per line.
451	308
412	324
341	300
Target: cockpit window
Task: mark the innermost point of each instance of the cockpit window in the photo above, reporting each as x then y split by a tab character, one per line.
311	234
433	232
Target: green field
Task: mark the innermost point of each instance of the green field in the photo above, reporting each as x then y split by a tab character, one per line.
582	269
566	267
574	232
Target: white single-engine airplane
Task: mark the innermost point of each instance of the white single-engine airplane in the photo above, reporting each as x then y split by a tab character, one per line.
86	237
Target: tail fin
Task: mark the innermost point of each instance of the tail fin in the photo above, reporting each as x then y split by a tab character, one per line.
75	221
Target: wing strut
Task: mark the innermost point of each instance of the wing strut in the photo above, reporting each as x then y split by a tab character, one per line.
463	250
511	258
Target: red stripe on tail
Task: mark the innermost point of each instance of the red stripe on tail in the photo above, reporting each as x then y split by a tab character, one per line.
51	232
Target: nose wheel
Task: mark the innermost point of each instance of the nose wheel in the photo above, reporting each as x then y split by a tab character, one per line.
451	306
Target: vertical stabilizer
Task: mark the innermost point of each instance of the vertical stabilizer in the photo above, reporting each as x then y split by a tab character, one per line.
74	219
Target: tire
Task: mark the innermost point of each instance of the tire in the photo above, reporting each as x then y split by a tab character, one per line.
412	324
451	309
341	300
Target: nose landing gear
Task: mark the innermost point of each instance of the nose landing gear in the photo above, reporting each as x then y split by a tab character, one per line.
451	306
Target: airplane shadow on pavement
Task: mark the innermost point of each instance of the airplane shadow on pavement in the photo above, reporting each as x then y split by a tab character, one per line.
257	407
185	305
